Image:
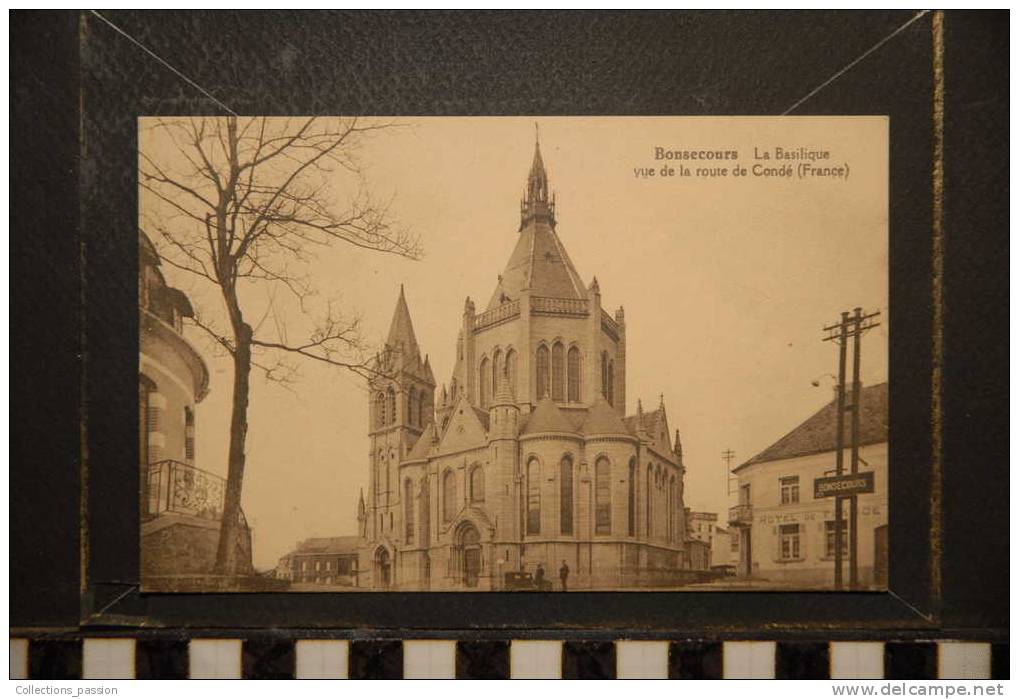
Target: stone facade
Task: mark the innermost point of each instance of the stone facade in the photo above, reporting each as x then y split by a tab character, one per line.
528	458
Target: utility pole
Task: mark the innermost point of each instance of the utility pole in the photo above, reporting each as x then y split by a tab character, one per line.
727	456
848	327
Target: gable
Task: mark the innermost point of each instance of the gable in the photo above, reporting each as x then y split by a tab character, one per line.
464	429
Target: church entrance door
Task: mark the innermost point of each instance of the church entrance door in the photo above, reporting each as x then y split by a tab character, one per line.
470	548
383	568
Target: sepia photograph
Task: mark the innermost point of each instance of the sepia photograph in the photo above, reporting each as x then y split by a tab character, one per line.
513	353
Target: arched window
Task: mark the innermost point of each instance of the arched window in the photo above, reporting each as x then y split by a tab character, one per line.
189	434
602	496
448	496
566	495
558	371
380	465
498	371
477	482
605	374
573	375
391	405
422	408
412	405
426	512
541	371
389	486
672	508
380	409
611	396
534	496
408	510
484	378
647	504
511	371
631	499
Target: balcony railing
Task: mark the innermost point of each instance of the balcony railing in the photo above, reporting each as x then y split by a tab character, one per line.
741	515
174	486
498	314
556	306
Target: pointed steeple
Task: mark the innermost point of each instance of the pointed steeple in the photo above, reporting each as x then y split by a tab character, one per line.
539	262
537	178
401	331
537	203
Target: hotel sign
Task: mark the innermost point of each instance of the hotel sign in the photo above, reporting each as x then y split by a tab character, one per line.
849	484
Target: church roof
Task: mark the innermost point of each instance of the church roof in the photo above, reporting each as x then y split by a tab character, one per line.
328	544
482	416
547	417
539	261
422	448
817	433
401	329
603	419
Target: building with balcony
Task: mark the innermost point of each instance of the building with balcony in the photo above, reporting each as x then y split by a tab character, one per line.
528	456
181	505
786	536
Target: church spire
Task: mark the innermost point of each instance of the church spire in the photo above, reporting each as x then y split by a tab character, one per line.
401	331
537	204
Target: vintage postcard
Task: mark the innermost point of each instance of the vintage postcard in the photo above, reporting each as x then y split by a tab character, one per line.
513	354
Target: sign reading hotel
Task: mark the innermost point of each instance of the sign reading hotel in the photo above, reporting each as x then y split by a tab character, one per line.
849	484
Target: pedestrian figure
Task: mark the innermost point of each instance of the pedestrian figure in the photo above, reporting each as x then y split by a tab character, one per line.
564	572
539	577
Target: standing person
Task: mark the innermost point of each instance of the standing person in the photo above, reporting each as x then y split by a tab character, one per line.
564	572
539	577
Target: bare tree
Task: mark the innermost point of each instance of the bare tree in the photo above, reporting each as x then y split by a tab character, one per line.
244	202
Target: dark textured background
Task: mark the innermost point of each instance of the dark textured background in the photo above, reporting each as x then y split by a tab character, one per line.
495	63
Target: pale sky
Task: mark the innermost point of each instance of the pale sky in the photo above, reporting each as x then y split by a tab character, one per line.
726	283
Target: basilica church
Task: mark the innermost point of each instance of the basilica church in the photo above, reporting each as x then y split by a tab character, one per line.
526	463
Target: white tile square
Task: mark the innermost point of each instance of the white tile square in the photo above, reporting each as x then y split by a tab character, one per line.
964	661
429	660
536	660
321	660
215	659
19	659
748	660
642	660
857	660
107	659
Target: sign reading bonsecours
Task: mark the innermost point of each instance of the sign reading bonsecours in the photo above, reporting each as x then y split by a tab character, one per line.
849	484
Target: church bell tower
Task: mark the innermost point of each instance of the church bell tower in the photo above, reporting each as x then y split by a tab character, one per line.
401	405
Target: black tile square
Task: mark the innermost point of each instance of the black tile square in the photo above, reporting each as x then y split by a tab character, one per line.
911	661
589	660
802	660
269	659
54	660
482	660
999	661
159	659
695	660
376	660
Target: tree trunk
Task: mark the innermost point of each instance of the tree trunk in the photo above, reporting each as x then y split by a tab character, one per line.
231	530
